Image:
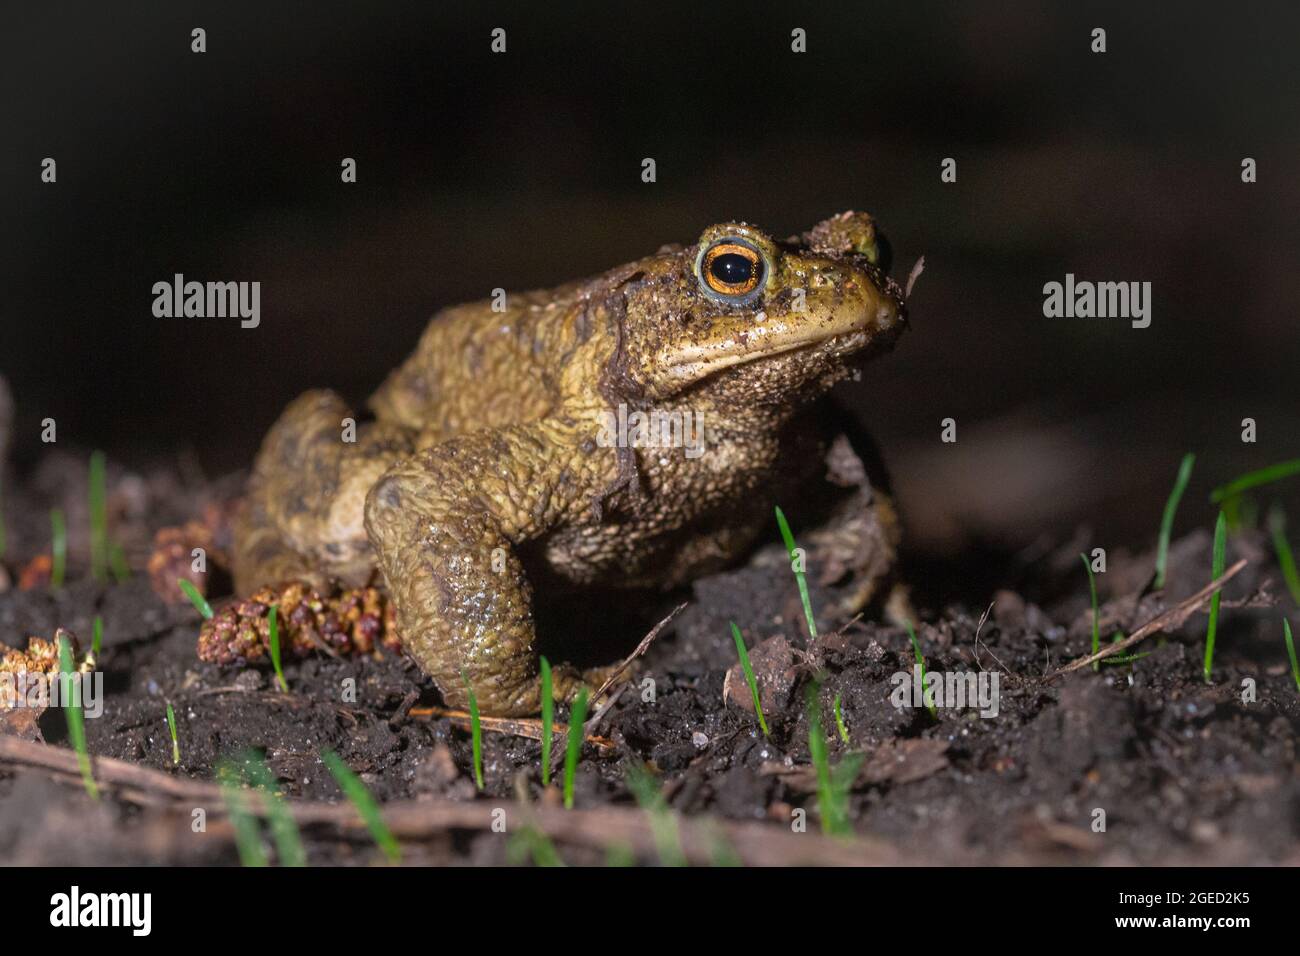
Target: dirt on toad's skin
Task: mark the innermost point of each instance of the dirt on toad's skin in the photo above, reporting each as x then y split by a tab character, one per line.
1185	772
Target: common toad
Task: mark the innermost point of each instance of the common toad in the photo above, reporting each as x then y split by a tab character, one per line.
629	430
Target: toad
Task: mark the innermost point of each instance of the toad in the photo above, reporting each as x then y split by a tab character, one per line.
633	429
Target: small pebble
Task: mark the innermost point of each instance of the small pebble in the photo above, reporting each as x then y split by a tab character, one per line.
700	739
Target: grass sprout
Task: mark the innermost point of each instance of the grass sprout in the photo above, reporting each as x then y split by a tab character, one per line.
530	841
1290	652
96	641
1285	557
619	855
1167	521
920	662
76	719
248	840
577	718
284	829
273	623
800	578
839	722
171	728
749	675
117	561
365	804
1212	629
663	825
198	600
833	784
476	730
1254	479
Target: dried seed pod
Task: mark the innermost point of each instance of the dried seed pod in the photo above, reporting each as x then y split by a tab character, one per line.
173	559
40	658
348	621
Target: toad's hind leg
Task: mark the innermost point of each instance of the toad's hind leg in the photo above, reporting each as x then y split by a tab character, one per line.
303	515
448	525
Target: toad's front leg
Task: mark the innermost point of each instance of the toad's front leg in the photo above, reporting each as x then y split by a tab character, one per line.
446	526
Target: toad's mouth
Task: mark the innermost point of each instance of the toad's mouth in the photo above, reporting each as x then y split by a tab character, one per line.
849	327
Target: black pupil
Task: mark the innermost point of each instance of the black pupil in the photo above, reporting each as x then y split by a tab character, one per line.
732	268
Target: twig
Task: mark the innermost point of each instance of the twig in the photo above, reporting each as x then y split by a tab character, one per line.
518	726
558	757
1170	617
756	844
593	722
978	644
640	649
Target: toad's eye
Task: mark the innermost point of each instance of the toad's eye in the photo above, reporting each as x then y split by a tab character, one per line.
731	269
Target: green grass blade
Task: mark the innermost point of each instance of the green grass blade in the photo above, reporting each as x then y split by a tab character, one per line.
1290	652
749	675
1285	557
530	841
1167	521
98	493
367	808
800	578
833	784
1254	479
476	730
663	825
273	623
839	722
171	728
76	719
1211	631
117	561
58	547
619	855
198	600
1096	616
548	720
820	760
97	636
284	829
248	841
577	717
841	784
920	662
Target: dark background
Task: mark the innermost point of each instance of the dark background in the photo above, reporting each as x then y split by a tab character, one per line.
523	170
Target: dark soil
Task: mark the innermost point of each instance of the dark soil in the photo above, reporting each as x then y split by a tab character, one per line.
1186	772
